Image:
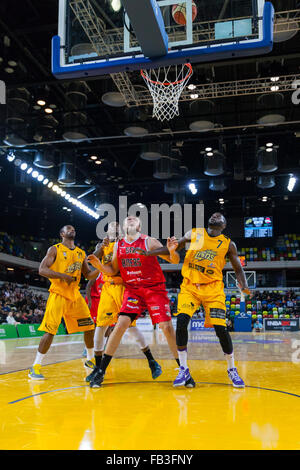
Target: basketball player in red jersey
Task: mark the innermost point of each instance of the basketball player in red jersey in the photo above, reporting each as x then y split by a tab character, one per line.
144	288
110	304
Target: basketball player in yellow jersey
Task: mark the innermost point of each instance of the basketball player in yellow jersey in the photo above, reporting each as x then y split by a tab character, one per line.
203	285
64	264
110	304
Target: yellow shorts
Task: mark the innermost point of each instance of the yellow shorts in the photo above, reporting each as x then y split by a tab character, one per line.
110	304
211	296
75	313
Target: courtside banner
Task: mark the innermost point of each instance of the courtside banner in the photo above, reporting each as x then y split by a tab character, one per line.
29	331
281	324
198	325
8	331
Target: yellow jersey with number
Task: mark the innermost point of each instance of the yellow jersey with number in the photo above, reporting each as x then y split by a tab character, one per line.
107	258
69	262
205	258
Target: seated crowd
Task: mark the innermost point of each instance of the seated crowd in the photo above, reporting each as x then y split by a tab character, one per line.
20	304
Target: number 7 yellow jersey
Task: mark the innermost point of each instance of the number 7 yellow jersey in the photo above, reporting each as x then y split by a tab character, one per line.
205	258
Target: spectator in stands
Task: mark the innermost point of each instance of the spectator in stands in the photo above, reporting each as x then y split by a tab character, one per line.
257	326
11	320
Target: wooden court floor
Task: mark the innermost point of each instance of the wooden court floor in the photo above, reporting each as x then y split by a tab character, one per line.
133	412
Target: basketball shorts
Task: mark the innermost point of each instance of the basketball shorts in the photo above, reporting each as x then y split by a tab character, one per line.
110	304
94	307
211	296
154	299
76	315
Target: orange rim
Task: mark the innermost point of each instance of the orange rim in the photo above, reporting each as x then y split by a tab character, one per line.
169	83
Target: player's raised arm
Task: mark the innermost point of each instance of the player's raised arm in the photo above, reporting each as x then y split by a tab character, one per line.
172	243
110	269
99	250
238	269
45	271
163	251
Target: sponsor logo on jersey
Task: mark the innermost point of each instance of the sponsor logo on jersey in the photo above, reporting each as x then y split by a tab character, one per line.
132	306
73	267
132	300
189	306
208	255
107	258
155	308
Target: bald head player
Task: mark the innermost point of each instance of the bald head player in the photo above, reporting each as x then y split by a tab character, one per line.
63	265
144	288
202	284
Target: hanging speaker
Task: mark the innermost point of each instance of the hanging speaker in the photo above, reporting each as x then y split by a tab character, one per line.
214	165
267	161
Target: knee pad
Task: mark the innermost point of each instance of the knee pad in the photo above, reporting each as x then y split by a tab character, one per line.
182	335
224	338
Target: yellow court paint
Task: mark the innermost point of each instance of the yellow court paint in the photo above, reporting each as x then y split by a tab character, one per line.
133	412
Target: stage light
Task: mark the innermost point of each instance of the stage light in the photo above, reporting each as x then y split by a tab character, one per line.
40	178
35	174
11	156
191	86
193	189
46	181
116	5
292	183
24	166
29	171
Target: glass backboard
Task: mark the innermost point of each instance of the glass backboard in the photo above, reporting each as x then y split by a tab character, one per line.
93	39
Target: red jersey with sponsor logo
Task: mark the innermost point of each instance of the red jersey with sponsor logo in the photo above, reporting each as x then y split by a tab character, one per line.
96	287
137	270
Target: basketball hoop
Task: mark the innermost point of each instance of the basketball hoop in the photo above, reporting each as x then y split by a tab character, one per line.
166	93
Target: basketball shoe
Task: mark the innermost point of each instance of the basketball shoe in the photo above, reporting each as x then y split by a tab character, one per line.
155	369
97	380
235	378
184	378
35	372
90	377
90	364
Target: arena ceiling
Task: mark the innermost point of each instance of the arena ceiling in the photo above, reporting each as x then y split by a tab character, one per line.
26	29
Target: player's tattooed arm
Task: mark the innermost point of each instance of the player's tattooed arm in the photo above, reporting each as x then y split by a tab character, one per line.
110	269
164	250
88	273
99	250
172	243
238	269
46	271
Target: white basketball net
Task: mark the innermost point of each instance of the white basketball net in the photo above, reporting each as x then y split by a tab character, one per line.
166	93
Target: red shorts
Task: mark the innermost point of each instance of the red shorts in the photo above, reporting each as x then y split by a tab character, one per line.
154	299
94	307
